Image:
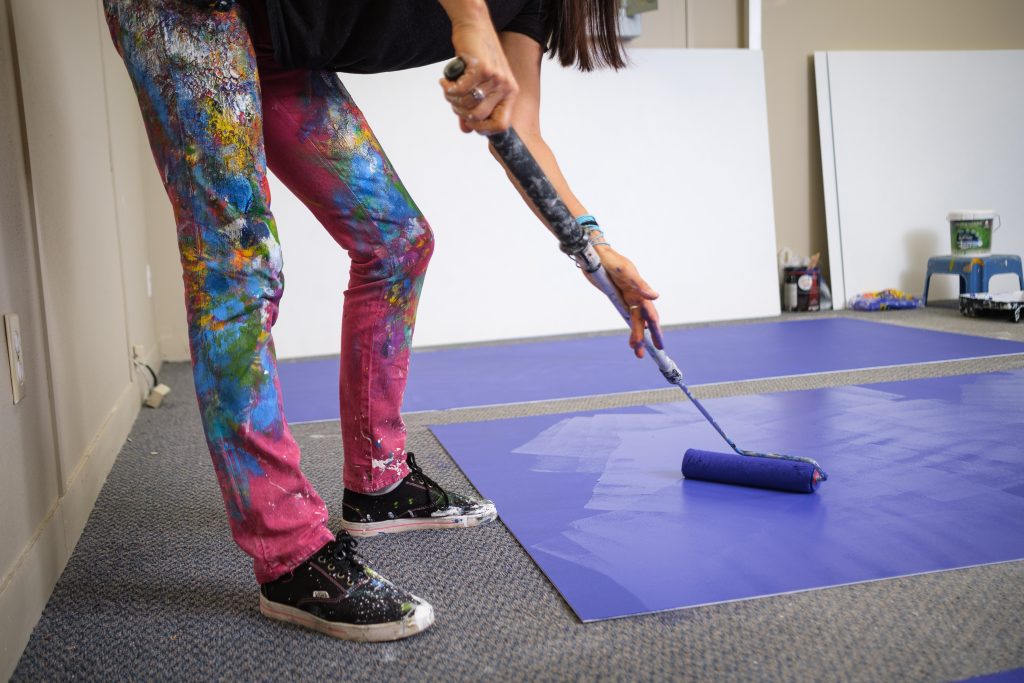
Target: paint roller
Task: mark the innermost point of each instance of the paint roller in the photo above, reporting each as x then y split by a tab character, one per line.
741	467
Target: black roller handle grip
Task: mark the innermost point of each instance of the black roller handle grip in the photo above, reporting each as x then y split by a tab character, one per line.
527	172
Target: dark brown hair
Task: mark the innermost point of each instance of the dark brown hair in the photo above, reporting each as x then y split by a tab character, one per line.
584	33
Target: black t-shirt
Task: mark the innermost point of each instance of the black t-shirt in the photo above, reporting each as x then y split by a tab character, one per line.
371	36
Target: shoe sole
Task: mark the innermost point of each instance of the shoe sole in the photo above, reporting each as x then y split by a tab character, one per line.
397	526
418	620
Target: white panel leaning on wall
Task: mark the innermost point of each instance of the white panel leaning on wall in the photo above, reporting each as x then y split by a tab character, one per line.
671	155
907	137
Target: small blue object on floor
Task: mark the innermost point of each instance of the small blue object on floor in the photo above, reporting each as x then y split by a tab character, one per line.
544	370
924	476
974	272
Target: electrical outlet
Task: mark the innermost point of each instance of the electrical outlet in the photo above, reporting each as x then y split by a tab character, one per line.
139	352
15	355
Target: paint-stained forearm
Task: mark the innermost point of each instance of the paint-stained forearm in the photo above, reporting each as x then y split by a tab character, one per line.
524	56
549	164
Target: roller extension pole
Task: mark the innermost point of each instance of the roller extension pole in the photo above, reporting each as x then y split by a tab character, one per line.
573	241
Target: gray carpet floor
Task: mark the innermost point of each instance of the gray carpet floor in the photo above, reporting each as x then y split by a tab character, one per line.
156	589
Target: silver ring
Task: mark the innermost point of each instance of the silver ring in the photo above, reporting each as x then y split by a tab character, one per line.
633	308
477	94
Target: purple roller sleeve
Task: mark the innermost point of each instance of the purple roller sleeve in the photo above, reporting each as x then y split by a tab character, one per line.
764	473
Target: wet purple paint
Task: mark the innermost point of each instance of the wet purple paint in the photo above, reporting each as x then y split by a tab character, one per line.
925	476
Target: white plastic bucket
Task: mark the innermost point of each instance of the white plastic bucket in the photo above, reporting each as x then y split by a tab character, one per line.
970	232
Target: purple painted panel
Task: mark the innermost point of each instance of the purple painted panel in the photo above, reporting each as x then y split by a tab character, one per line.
535	371
923	476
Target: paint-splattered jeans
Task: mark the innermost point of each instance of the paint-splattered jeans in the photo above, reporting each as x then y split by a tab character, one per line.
217	110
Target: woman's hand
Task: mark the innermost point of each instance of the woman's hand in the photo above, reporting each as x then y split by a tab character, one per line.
484	95
637	294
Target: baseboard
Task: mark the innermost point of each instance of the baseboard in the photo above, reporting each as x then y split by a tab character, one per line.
29	587
35	573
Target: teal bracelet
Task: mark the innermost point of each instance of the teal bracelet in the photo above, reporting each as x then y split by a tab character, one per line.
590	226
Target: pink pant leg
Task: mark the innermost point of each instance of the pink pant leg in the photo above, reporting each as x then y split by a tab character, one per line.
321	147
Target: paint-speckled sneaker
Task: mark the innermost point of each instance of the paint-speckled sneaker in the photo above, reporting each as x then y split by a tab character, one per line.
417	503
336	593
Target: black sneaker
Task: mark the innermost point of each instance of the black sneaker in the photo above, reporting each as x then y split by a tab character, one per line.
417	503
335	593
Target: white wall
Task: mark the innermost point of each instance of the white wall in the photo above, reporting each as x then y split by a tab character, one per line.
73	268
671	155
30	560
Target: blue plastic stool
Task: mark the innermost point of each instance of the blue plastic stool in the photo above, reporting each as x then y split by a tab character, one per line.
974	272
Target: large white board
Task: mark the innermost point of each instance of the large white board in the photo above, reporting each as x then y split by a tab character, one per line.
907	137
671	155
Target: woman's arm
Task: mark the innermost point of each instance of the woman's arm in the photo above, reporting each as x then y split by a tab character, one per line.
524	57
